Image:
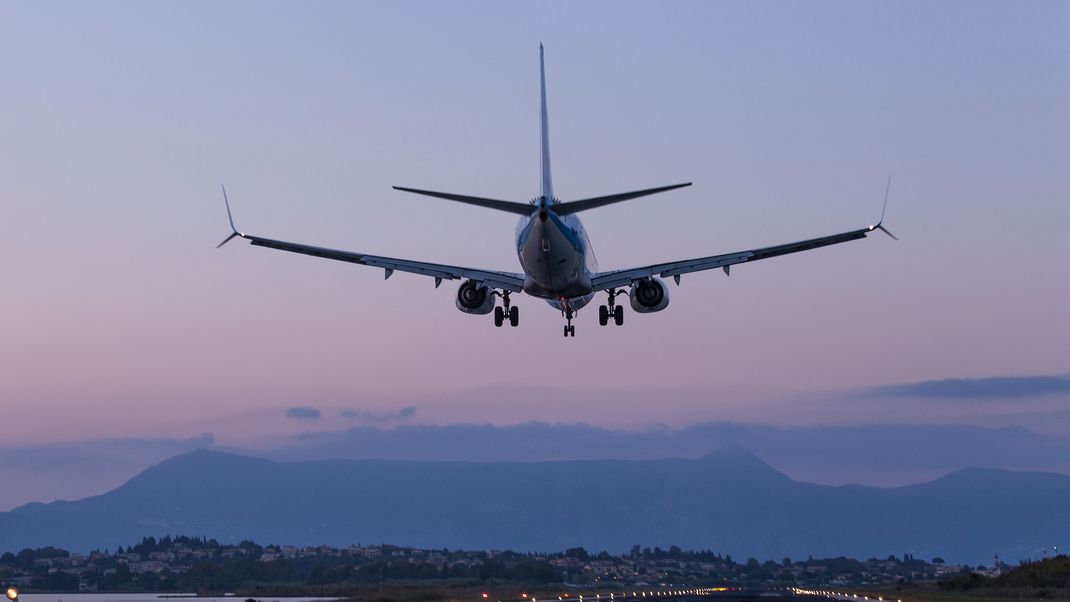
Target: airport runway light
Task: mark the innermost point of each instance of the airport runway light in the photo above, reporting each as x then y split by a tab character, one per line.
12	594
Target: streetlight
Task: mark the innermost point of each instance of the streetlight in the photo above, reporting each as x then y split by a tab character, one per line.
12	594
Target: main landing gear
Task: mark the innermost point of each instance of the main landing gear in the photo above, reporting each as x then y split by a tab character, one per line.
506	311
570	329
612	311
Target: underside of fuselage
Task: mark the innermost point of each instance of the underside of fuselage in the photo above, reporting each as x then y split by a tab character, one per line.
556	256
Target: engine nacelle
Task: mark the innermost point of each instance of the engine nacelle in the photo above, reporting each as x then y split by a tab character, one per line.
648	296
474	298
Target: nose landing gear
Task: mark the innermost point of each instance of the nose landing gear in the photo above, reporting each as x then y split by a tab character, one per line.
612	310
506	311
569	327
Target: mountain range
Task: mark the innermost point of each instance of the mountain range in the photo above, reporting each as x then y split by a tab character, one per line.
729	501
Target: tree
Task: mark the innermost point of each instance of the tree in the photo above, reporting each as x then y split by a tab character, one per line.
577	553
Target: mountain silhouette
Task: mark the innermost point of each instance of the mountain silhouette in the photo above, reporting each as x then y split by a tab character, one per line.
729	501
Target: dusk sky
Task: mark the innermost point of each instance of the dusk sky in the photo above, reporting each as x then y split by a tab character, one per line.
119	318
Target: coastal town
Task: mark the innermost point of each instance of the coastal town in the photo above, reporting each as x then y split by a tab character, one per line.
205	565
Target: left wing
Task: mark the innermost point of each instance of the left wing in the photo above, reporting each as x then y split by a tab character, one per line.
508	281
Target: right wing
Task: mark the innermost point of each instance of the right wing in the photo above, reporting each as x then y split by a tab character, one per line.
507	281
610	280
620	278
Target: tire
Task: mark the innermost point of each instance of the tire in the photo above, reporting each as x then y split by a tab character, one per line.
514	316
572	330
603	315
499	316
618	315
566	331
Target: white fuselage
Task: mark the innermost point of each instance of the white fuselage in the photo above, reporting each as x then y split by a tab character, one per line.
556	256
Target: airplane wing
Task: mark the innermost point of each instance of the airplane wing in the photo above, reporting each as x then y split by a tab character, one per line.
508	281
619	278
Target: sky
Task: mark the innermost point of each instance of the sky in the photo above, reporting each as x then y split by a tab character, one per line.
120	120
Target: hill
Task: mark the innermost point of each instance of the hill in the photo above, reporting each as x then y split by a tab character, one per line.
729	501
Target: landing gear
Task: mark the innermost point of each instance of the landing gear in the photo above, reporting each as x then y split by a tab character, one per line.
570	329
506	311
612	310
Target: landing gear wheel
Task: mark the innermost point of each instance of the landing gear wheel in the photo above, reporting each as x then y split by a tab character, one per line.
514	316
566	330
571	330
612	310
499	316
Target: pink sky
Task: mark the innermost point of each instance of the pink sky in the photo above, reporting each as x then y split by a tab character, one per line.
119	318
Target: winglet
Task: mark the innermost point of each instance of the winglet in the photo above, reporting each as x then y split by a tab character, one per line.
233	230
884	208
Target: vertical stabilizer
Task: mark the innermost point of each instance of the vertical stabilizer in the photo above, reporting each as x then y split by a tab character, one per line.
544	123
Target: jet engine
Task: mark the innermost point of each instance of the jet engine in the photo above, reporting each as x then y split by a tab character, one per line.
649	295
474	298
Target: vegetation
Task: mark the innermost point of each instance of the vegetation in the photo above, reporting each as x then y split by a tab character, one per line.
1043	580
202	565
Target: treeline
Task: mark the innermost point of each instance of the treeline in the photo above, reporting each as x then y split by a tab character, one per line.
184	564
26	558
1049	573
231	575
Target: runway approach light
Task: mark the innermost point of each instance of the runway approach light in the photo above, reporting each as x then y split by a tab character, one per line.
12	594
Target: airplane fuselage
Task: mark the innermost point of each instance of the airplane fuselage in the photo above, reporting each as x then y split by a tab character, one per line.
556	256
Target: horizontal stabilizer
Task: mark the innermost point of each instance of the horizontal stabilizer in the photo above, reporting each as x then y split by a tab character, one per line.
510	206
585	204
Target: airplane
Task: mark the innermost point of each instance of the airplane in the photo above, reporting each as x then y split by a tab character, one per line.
555	253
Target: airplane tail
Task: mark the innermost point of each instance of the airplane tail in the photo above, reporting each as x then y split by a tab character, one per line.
547	191
547	188
546	181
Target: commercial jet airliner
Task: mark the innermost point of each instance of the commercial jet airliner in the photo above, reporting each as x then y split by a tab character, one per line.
555	254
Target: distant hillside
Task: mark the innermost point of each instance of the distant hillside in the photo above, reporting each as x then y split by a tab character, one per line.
729	501
1046	573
